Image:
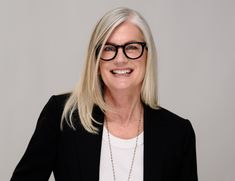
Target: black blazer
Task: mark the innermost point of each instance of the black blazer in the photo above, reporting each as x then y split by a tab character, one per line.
169	148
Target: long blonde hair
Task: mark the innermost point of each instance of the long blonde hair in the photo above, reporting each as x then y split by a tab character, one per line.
89	91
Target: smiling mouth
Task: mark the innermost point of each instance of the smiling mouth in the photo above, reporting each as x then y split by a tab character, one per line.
121	72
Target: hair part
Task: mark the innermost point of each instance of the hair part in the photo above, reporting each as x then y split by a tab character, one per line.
89	91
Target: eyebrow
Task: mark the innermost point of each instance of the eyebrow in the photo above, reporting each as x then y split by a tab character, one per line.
132	41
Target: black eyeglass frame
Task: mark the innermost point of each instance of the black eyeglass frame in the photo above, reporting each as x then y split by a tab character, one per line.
143	45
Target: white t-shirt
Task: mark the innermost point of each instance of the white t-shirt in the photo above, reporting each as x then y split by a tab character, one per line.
122	151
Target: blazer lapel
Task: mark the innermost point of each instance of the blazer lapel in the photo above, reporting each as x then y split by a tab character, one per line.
153	157
89	148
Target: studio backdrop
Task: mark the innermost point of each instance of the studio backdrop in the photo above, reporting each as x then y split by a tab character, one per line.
42	50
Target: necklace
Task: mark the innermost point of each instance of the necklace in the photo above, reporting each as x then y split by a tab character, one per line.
134	153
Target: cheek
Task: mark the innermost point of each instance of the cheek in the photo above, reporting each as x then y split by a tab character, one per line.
101	68
143	70
102	71
142	65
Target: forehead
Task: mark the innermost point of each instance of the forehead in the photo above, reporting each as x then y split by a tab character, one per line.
126	32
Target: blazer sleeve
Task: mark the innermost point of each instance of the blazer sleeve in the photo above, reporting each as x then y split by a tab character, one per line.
189	162
38	160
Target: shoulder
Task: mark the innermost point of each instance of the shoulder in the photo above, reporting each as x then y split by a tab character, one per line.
50	115
163	114
60	99
164	118
57	102
54	106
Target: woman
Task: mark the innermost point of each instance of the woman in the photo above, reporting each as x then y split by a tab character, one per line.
111	126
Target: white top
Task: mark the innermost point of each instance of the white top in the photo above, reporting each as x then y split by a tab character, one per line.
122	150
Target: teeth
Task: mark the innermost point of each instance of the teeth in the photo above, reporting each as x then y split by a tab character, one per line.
121	71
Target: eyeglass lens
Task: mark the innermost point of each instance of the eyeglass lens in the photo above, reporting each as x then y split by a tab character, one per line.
131	50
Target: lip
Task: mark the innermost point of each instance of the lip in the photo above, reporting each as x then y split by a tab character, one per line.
123	71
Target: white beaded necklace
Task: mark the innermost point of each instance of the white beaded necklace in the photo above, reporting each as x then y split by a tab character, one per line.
133	158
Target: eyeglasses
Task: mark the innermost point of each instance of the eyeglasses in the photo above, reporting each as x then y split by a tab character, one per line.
132	50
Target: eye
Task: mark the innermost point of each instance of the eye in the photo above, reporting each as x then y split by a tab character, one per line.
132	47
109	48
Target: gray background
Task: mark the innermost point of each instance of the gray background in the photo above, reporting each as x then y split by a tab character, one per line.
42	48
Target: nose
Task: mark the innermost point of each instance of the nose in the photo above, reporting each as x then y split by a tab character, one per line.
120	57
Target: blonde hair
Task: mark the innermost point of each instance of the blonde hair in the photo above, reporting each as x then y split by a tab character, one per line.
89	91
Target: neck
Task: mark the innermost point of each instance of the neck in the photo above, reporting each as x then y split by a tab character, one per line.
127	106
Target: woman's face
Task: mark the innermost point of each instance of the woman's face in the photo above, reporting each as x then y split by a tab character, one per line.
122	73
